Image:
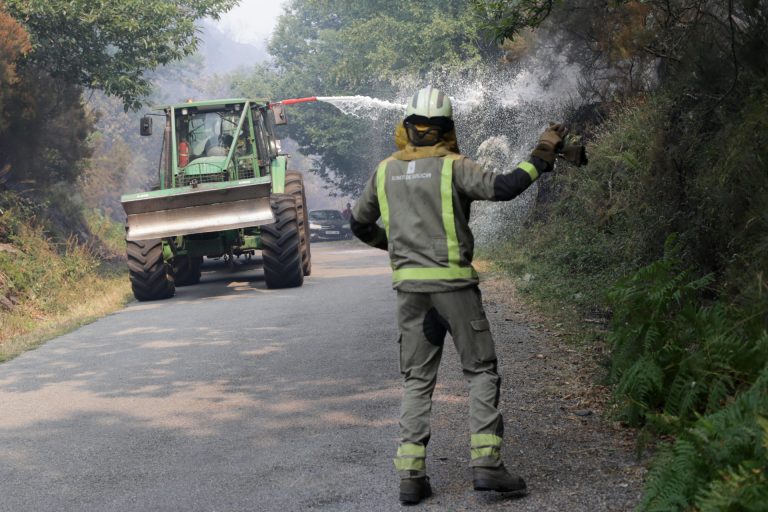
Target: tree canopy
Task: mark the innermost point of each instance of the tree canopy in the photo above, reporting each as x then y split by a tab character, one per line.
109	45
14	43
346	47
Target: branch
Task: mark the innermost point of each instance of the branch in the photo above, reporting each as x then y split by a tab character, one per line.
736	67
657	53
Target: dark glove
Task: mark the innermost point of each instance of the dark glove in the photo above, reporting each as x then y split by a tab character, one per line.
575	154
550	142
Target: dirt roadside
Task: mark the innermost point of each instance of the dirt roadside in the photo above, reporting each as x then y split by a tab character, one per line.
557	434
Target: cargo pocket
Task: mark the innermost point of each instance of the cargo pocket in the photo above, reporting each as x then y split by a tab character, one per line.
481	325
483	341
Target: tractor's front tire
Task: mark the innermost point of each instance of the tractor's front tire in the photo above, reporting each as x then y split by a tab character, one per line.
281	245
186	270
149	274
294	185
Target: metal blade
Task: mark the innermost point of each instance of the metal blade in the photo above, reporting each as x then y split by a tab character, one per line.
197	211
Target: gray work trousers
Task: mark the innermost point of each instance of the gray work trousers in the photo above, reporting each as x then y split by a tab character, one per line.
423	319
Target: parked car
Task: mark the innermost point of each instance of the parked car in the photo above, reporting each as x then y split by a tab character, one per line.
328	225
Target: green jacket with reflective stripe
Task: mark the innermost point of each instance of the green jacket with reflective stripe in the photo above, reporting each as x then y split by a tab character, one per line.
424	204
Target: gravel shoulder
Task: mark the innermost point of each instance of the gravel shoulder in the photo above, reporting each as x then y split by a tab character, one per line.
557	434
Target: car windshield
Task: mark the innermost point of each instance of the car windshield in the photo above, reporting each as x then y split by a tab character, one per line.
325	215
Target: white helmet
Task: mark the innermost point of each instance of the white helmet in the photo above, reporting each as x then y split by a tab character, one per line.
429	102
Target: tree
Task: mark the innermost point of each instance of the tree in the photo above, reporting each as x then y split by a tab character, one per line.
14	43
628	46
110	44
346	47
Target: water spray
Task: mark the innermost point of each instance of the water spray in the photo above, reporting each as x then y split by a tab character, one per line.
521	93
357	106
365	106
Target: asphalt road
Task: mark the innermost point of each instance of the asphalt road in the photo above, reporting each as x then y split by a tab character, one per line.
232	397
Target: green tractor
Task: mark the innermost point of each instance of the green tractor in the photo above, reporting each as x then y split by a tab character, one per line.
224	191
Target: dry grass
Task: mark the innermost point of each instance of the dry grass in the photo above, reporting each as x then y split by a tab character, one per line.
26	327
48	287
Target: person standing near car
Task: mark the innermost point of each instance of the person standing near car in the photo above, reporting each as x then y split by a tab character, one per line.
423	194
346	213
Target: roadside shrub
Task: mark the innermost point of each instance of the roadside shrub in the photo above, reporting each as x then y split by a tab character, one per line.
718	464
676	356
689	313
42	276
109	233
604	221
695	369
39	269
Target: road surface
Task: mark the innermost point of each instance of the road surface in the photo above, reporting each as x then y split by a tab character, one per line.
232	397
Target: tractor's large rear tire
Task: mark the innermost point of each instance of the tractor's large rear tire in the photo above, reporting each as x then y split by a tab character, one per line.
150	275
186	270
294	185
281	245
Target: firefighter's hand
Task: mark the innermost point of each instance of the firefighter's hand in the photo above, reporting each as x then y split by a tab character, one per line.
575	154
553	136
550	142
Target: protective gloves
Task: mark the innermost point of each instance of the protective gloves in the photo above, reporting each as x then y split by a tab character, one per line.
575	154
550	143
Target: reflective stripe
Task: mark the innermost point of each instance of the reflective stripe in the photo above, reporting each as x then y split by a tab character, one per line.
410	464
433	273
453	270
530	169
449	221
488	451
480	440
413	449
381	192
411	456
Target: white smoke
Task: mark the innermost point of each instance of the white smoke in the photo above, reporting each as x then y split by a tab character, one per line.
499	114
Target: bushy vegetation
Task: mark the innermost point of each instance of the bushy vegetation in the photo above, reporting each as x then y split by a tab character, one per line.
697	370
665	233
67	70
48	283
689	316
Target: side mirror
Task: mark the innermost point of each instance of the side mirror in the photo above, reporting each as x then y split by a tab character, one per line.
278	113
145	128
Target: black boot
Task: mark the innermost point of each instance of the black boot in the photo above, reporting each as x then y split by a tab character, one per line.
413	490
497	479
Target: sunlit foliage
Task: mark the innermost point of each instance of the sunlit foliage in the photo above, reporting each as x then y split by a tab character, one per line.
344	47
110	45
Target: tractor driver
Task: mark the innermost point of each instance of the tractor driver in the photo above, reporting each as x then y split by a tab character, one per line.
218	145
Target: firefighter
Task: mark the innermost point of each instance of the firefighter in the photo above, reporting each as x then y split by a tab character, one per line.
423	194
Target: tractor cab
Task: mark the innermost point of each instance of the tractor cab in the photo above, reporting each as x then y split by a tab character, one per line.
221	141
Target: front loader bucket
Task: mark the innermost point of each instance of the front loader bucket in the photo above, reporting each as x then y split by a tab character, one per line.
209	207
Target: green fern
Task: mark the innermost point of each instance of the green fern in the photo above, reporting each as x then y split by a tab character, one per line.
698	370
718	464
674	355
